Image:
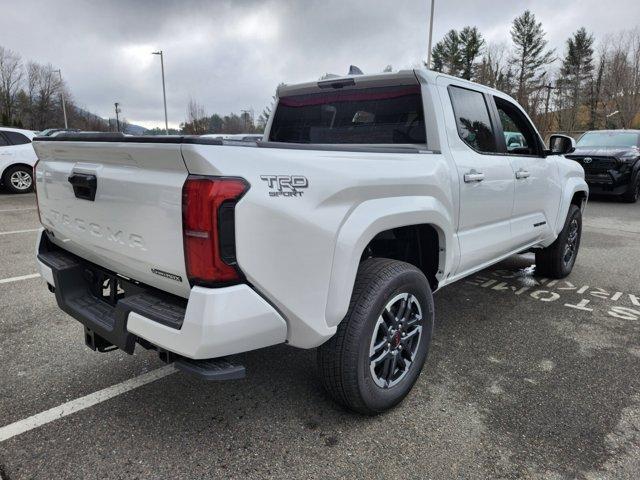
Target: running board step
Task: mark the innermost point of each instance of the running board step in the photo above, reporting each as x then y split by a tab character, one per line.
211	369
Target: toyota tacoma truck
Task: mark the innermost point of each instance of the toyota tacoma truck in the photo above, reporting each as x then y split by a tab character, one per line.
365	196
611	161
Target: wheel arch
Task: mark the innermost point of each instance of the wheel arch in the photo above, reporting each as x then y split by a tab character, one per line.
425	215
576	192
11	165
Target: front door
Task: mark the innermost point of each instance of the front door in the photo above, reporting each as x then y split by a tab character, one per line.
537	186
486	180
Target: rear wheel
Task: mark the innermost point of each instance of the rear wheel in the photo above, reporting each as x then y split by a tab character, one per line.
376	356
633	194
557	260
18	179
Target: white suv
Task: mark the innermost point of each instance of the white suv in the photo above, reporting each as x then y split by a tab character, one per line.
16	159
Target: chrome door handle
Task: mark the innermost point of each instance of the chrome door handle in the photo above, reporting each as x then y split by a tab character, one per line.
520	174
473	176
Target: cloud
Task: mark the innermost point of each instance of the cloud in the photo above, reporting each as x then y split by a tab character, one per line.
230	55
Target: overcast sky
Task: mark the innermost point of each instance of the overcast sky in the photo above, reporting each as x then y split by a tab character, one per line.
230	55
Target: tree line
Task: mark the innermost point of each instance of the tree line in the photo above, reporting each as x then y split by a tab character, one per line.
31	97
587	86
199	122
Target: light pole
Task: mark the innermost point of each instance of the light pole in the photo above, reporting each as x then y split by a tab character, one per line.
164	93
247	115
64	106
117	116
430	34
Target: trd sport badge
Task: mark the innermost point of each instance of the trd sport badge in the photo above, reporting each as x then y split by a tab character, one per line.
285	185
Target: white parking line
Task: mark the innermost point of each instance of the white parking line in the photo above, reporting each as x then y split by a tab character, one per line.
17	279
20	231
18	209
81	403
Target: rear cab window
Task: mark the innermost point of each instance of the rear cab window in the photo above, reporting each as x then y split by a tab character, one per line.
389	115
473	119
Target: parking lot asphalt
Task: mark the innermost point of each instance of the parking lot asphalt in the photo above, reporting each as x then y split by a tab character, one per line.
527	378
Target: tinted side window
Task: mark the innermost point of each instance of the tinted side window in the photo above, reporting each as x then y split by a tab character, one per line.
472	119
519	135
17	138
3	142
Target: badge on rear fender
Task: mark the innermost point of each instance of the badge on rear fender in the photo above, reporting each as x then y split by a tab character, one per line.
285	185
170	276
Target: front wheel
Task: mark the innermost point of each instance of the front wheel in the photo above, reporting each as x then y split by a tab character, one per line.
378	351
18	179
558	259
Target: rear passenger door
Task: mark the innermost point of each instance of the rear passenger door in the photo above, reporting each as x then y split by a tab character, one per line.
15	148
5	151
485	177
537	186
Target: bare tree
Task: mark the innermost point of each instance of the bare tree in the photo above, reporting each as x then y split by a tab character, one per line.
10	80
594	95
493	69
621	83
42	107
197	122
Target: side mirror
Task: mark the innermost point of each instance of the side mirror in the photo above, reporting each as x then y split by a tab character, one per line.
561	145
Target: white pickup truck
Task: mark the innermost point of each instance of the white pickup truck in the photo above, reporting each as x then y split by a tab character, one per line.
367	194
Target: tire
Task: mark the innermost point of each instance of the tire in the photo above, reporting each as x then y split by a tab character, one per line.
345	361
633	194
558	259
18	179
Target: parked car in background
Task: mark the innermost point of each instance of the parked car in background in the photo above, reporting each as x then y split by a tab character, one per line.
514	140
242	137
16	159
55	131
611	161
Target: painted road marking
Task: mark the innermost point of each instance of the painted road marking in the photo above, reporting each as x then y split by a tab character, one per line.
17	279
546	291
20	231
17	209
40	419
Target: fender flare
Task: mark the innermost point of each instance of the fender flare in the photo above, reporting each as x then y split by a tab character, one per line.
635	172
363	224
573	186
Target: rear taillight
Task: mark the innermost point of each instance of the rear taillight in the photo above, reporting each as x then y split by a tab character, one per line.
208	226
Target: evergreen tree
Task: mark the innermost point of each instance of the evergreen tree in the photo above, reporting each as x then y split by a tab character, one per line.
575	73
530	55
457	52
447	54
471	43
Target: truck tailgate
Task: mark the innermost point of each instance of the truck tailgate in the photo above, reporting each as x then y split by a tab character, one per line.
133	226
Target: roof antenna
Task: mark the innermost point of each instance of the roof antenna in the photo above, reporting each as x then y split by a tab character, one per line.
353	70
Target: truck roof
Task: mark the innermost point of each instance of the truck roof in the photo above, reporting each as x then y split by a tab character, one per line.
401	77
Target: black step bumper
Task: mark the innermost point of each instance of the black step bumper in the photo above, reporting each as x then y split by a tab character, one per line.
102	301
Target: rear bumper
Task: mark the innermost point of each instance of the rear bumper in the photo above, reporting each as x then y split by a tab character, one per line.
212	323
